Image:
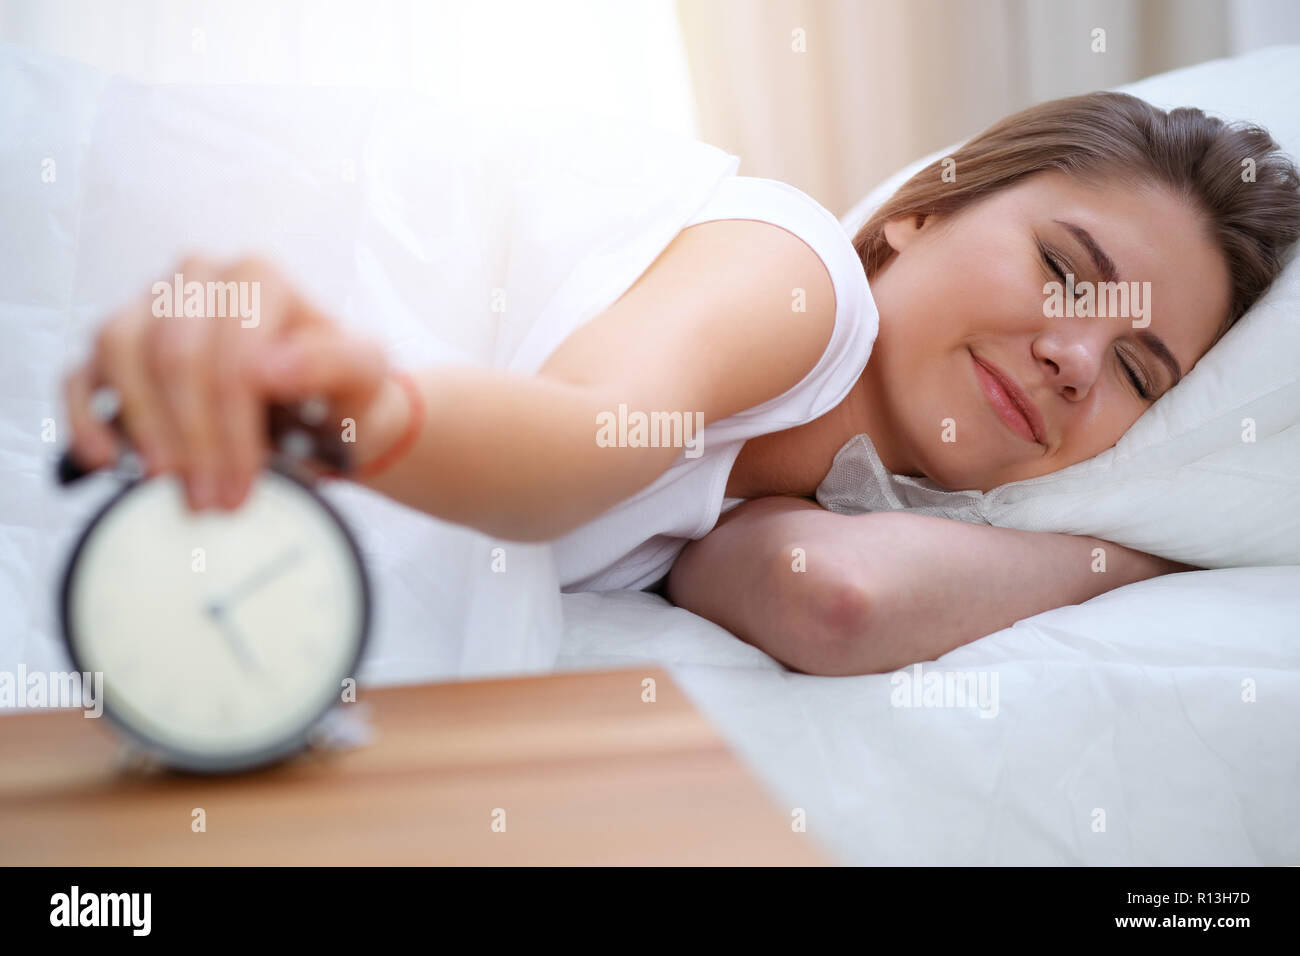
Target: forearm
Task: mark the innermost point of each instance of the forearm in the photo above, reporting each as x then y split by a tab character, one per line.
836	595
936	584
507	454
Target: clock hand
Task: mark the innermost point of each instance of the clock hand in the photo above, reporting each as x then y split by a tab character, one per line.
233	638
217	608
262	577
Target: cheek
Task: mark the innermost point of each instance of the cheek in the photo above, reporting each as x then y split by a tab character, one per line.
947	294
1003	277
1089	437
981	284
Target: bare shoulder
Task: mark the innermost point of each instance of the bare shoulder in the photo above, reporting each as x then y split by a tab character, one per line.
782	247
732	313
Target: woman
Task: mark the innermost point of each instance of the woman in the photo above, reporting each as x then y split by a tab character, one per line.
758	321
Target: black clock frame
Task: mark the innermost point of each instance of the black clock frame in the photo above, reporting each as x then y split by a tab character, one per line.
173	757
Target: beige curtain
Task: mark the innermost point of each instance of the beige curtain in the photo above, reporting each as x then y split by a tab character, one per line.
832	96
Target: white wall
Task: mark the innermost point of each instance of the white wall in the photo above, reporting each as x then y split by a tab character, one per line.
623	57
1259	23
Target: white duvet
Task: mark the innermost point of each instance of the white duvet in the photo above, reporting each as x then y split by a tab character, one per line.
446	235
1159	723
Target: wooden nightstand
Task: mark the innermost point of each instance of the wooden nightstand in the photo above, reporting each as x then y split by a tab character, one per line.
585	771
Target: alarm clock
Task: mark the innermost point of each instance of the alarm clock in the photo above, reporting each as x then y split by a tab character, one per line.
223	637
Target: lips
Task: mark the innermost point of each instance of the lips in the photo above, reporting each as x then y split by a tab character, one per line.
1010	401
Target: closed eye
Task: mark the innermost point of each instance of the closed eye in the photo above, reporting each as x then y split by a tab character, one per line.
1138	385
1052	263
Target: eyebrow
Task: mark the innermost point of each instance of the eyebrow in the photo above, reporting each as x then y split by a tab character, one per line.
1106	267
1098	254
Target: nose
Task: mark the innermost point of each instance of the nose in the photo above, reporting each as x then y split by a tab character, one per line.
1073	350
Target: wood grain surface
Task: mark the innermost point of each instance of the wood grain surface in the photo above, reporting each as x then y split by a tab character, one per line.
585	770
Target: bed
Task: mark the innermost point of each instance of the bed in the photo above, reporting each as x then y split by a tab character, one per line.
1156	724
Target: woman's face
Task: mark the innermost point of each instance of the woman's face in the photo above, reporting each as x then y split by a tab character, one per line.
972	287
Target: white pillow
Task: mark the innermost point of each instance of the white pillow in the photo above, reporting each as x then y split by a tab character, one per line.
1182	482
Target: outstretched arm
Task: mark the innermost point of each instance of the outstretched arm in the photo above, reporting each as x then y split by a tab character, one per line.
837	594
710	329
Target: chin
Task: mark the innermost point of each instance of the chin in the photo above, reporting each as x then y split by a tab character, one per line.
957	483
952	466
950	475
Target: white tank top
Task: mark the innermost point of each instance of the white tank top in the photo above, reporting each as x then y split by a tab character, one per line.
634	543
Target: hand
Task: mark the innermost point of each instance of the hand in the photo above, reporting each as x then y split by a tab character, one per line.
194	390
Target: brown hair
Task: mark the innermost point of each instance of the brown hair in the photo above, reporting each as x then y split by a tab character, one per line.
1102	135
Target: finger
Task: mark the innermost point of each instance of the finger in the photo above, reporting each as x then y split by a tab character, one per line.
93	443
240	414
274	311
120	362
180	361
348	368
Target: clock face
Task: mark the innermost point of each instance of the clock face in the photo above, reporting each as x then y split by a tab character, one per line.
222	636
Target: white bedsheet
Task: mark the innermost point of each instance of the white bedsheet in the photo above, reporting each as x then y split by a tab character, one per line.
1134	704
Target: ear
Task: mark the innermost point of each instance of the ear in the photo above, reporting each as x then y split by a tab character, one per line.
901	232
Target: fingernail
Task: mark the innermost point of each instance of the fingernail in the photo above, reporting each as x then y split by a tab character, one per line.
230	489
204	491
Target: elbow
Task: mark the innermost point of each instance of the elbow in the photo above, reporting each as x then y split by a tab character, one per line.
838	611
845	619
